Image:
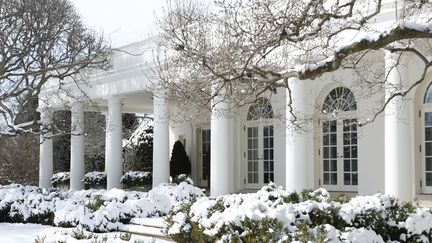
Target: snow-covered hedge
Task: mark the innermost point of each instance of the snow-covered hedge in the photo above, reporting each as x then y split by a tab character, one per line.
60	178
273	214
94	210
134	178
95	178
183	178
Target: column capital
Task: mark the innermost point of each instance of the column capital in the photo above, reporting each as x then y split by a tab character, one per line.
391	61
77	103
115	99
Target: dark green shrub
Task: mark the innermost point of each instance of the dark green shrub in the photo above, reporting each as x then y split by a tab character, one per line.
327	215
180	163
138	156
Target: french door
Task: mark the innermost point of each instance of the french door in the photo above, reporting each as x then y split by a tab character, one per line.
260	156
205	158
427	152
339	155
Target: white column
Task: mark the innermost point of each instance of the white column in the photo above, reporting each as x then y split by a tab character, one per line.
46	153
397	133
161	149
77	146
113	146
299	145
221	147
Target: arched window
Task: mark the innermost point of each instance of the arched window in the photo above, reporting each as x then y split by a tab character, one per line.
427	141
339	153
339	99
428	95
261	109
260	145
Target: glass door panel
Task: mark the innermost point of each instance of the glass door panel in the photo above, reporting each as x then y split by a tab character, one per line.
350	174
205	157
427	166
260	156
252	155
268	150
330	153
340	155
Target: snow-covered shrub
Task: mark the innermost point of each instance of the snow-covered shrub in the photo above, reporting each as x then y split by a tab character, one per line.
94	178
138	149
93	210
183	178
61	178
273	214
136	178
28	204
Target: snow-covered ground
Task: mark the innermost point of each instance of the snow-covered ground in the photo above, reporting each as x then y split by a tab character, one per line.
27	233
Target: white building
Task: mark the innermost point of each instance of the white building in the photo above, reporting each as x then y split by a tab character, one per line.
392	154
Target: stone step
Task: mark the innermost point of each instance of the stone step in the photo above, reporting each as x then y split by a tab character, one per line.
152	227
151	222
144	230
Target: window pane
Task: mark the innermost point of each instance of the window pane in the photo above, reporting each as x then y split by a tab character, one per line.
333	139
354	165
325	126
429	164
347	179
428	148
326	152
266	142
347	152
428	118
354	179
326	179
346	138
334	179
333	152
354	125
326	139
354	152
266	178
347	165
428	133
353	138
333	126
428	179
334	165
326	165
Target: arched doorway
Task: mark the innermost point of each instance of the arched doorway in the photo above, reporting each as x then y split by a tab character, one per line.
426	141
339	147
260	144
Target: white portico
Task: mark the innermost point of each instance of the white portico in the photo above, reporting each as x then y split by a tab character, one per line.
124	88
336	148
